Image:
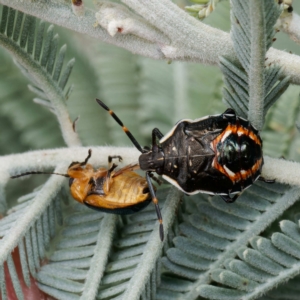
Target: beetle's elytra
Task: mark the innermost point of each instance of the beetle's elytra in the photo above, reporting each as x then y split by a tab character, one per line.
109	190
217	155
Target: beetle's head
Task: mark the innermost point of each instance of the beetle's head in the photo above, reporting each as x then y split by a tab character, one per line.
152	160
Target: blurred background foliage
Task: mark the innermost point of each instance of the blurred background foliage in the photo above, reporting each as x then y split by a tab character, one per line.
144	93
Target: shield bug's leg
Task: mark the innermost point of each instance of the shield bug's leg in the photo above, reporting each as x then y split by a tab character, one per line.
266	180
228	199
155	179
155	201
229	113
125	129
156	134
110	158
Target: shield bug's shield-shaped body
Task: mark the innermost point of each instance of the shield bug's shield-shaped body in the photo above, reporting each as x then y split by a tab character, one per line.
109	190
218	155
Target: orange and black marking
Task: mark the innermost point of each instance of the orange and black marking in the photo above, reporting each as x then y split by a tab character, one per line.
238	153
125	129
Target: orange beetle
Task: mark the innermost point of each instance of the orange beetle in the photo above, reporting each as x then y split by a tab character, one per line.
113	191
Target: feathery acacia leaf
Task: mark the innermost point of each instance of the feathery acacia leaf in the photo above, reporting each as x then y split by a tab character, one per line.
38	67
252	35
206	251
215	233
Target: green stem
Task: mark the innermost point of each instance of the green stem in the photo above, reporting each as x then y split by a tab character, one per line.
257	59
99	260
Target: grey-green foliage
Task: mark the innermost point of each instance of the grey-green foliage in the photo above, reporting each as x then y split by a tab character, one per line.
19	112
39	59
213	246
280	126
79	241
33	243
237	79
206	251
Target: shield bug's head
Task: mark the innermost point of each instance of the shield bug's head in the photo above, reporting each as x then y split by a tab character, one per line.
152	160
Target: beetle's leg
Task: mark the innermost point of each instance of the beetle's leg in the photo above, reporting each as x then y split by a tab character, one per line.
266	180
125	129
110	158
155	201
73	165
111	169
82	163
93	182
108	176
155	178
87	158
228	199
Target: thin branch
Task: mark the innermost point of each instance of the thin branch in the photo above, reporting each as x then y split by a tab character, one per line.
291	26
118	18
42	160
283	171
60	13
191	40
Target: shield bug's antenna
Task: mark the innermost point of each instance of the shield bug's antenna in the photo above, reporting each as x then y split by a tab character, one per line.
125	129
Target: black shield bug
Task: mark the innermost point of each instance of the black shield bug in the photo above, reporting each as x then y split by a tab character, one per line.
217	155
